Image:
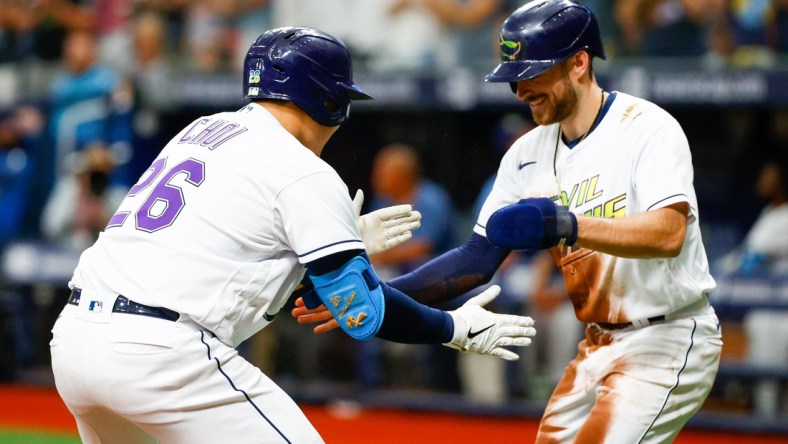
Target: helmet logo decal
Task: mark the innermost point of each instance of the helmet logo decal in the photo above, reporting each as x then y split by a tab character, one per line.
509	49
254	76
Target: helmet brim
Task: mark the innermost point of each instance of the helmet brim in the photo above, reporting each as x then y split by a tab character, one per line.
513	71
355	92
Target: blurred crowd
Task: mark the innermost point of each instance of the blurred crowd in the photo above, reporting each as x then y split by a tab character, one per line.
212	35
80	73
83	84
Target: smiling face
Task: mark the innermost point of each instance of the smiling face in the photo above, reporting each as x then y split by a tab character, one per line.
551	95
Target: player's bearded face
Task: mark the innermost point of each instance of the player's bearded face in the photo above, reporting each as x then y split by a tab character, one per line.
556	101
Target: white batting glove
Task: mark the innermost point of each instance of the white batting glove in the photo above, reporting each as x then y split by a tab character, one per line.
387	227
480	331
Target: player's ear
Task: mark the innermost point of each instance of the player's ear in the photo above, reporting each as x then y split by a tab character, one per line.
580	65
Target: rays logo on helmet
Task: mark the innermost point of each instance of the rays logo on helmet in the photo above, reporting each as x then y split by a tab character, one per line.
254	76
509	49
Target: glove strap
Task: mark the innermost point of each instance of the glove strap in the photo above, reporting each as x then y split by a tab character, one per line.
565	226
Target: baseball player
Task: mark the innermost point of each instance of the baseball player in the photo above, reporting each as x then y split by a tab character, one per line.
604	183
208	246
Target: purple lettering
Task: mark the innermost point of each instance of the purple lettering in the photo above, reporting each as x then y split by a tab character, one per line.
187	137
226	138
170	195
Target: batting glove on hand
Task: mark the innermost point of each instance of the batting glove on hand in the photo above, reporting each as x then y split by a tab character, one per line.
533	223
385	228
480	331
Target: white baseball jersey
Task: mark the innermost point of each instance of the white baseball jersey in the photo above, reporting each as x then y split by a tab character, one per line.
637	159
219	226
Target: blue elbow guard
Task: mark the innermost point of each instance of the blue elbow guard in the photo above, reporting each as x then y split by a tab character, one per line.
354	296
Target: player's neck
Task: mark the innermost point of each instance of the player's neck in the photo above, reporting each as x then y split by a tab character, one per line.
589	106
296	122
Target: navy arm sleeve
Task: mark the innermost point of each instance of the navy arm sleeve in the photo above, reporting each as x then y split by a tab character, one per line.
453	273
405	320
409	322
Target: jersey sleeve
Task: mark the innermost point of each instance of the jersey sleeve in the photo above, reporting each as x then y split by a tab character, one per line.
503	192
317	217
663	173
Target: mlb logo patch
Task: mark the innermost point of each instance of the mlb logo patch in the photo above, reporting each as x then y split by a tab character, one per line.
254	91
96	306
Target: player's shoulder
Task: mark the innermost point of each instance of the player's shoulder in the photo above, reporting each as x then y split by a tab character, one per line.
632	111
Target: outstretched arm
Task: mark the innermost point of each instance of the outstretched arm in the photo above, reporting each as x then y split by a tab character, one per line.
364	307
453	273
450	275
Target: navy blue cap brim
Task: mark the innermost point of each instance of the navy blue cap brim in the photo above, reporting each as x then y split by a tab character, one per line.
513	71
356	93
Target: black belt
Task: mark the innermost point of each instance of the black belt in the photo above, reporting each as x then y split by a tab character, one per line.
609	326
125	305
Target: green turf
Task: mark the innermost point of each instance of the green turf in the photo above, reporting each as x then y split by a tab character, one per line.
31	437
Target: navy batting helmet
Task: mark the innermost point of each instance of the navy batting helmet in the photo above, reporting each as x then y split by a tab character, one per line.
305	66
541	34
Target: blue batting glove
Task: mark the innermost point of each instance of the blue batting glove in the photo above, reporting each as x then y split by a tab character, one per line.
534	223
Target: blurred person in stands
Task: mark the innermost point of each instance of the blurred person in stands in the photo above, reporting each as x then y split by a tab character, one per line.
397	178
764	250
90	103
779	33
113	27
666	27
152	87
249	17
385	36
14	24
473	25
20	138
52	20
208	35
82	203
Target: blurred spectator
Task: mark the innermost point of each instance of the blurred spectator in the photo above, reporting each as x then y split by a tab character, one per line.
665	27
151	70
52	20
381	34
396	179
89	103
20	136
473	25
113	28
250	18
81	204
15	22
779	33
764	252
765	248
153	85
207	37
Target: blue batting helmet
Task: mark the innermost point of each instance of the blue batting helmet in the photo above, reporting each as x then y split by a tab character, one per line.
305	66
541	34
